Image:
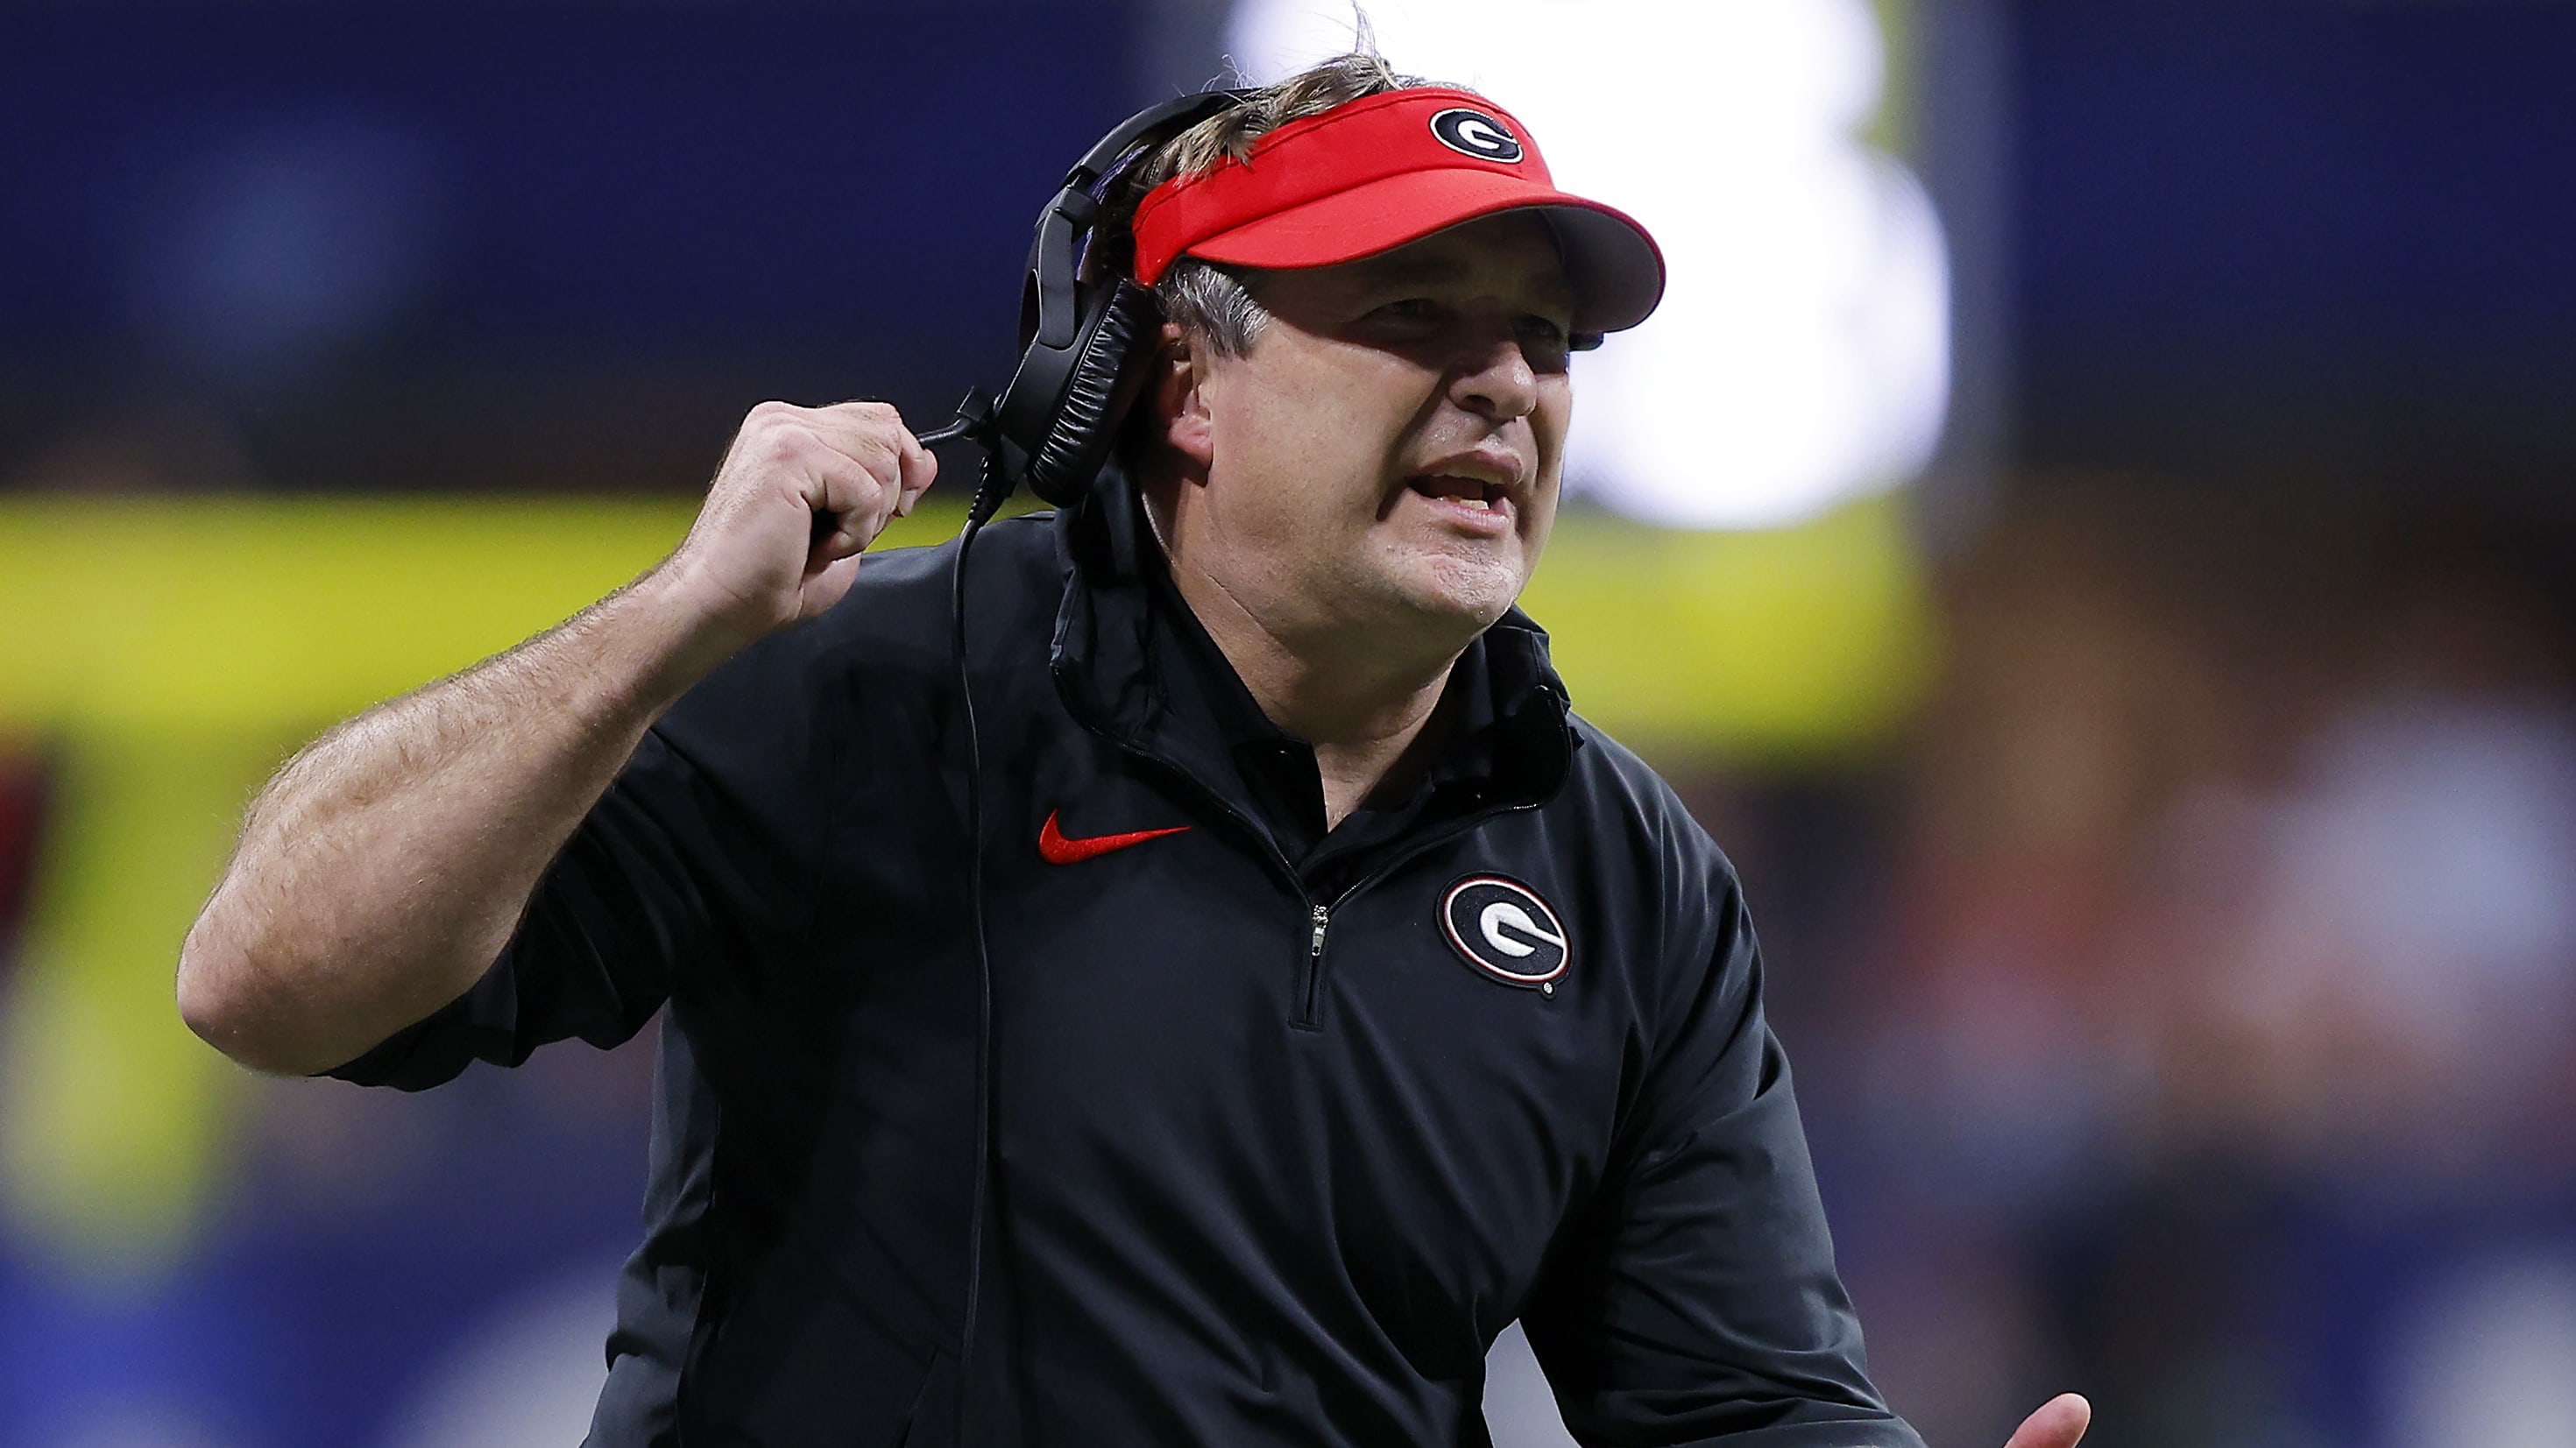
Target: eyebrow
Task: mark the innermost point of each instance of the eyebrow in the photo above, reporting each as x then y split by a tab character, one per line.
1413	269
1431	270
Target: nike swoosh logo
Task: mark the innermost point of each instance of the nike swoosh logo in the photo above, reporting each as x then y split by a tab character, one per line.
1055	849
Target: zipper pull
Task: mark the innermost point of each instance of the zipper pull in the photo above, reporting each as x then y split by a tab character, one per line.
1322	917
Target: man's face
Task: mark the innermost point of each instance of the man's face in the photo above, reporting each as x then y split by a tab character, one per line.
1387	453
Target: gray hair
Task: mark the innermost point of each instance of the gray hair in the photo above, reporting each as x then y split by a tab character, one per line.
1210	301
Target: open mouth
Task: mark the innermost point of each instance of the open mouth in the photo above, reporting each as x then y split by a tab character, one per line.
1466	492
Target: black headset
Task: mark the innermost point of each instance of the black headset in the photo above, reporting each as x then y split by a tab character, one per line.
1083	340
1083	346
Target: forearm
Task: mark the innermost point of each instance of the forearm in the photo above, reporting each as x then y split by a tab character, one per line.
383	869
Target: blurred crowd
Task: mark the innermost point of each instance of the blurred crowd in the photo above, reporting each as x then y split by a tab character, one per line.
2195	1033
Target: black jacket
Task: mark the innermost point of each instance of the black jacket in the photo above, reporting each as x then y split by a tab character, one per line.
1290	1126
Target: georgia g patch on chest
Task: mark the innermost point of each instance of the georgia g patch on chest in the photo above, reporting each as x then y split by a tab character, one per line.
1503	929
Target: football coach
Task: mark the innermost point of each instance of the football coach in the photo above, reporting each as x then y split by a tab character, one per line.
1350	998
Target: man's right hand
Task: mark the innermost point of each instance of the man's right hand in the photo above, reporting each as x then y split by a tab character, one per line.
801	492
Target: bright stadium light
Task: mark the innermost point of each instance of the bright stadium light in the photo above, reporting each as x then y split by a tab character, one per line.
1801	356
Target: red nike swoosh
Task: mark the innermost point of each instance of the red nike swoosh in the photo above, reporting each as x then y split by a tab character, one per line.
1057	850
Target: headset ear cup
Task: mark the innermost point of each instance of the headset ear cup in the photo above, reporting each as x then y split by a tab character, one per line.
1098	391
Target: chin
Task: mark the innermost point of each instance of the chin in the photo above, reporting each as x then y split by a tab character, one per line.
1464	594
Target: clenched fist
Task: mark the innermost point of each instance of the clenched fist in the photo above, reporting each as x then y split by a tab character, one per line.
800	493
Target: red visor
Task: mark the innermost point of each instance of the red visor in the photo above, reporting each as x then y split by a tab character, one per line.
1384	170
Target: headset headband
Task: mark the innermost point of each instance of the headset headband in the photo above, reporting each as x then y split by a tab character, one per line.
1075	208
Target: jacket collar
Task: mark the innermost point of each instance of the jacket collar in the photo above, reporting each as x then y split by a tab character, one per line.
1115	650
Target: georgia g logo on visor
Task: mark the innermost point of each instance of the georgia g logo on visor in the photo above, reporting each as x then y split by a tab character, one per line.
1475	134
1502	928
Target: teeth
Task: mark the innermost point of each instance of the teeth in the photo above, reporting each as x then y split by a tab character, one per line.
1481	497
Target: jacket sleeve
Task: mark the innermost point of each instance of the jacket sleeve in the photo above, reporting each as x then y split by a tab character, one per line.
1694	1300
699	853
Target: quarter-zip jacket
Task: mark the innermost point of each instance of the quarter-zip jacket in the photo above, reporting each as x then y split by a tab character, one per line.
1284	1137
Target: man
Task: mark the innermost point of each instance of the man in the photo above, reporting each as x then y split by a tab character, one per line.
1351	998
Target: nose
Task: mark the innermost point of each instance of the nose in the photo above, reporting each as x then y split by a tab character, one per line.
1495	380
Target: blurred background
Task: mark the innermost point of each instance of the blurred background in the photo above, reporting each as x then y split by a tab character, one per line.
2092	531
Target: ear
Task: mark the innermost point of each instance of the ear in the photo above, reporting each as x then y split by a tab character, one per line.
1179	390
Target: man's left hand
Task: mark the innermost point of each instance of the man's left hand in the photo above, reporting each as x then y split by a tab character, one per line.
2059	1423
